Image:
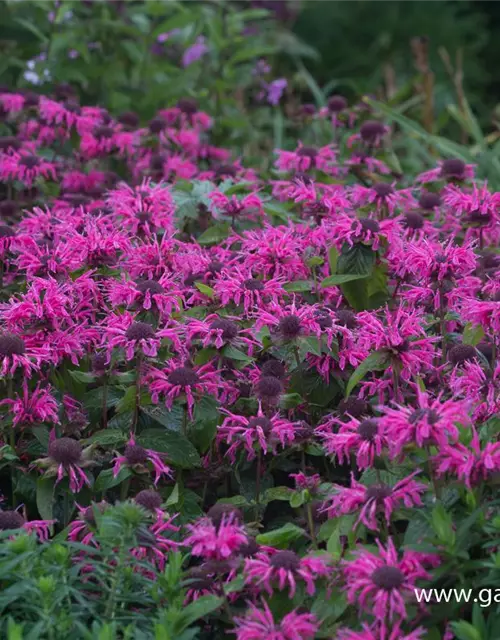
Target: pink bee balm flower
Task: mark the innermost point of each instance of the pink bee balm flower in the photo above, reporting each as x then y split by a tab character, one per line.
471	464
306	158
379	631
35	407
251	434
480	388
26	167
16	352
132	336
219	331
449	170
66	457
162	295
214	541
13	520
366	439
137	458
375	499
281	569
241	287
433	422
381	584
259	624
290	322
178	379
233	207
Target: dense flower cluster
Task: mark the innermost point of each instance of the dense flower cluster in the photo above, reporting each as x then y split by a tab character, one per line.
283	373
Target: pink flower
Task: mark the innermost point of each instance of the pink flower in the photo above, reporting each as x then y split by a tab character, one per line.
66	457
380	631
452	169
13	520
259	624
381	584
137	458
35	407
17	352
219	331
366	439
305	158
26	167
216	541
471	464
178	379
162	295
233	207
241	287
281	569
382	195
290	322
375	499
251	434
433	422
133	336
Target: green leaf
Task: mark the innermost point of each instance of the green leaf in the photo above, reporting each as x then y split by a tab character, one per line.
235	354
278	493
298	498
333	281
173	498
299	286
179	451
205	289
83	376
45	497
358	259
200	608
170	419
473	334
107	437
215	234
333	256
105	479
282	537
442	524
334	545
309	344
465	631
291	400
376	361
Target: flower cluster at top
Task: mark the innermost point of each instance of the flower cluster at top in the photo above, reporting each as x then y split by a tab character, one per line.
300	362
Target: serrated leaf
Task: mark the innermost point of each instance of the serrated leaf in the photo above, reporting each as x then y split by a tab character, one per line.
376	361
205	289
179	451
299	286
171	419
278	493
309	344
105	479
233	353
83	376
215	234
108	437
199	608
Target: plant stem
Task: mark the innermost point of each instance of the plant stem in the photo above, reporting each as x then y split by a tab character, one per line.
138	366
185	421
111	604
257	484
104	418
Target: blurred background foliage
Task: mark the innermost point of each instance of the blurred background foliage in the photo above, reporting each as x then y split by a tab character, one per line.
427	60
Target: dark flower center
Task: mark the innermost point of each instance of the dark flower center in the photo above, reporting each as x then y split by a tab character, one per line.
378	492
129	119
89	513
253	285
462	353
11	345
371	130
156	125
289	326
226	170
337	104
287	560
307	152
215	267
183	377
429	201
368	429
189	106
367	224
228	327
200	579
422	413
103	132
10	520
453	168
382	189
135	454
139	331
323	319
222	511
99	362
346	318
9	142
6	232
8	208
413	220
478	218
273	368
269	387
355	407
65	451
149	499
388	578
149	285
250	548
264	423
30	162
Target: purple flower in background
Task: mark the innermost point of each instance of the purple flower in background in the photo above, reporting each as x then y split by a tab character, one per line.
194	52
275	90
